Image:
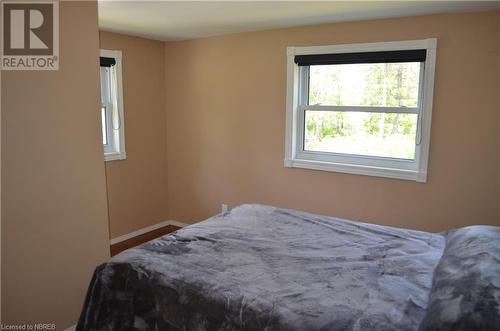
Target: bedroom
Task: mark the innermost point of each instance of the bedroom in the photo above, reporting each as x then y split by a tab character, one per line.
207	112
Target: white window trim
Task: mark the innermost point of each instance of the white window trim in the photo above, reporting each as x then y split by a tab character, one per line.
118	152
296	157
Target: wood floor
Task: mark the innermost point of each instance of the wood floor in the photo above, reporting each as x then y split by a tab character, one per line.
121	246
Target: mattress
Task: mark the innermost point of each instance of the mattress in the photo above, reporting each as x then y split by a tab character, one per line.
265	268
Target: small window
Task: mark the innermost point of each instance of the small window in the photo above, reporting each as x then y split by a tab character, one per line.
113	134
361	108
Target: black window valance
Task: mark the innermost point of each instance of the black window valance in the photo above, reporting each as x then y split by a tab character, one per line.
107	61
417	55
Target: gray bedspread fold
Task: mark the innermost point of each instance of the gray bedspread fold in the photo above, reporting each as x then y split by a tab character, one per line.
264	268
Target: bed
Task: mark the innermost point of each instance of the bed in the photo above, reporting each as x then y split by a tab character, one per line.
265	268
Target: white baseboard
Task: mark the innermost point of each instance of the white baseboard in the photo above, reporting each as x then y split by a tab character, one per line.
177	223
71	328
146	230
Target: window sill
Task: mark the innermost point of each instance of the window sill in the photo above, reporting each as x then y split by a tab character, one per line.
114	156
357	169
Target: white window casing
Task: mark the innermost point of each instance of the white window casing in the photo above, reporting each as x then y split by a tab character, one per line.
112	101
297	80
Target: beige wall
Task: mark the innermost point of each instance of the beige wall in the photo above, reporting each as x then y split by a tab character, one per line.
225	99
137	186
54	215
224	131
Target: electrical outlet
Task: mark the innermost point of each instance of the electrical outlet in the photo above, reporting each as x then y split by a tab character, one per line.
223	208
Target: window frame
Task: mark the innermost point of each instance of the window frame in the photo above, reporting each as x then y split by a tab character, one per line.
297	90
115	149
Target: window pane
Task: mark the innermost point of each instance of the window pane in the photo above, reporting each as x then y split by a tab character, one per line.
104	126
368	84
105	85
361	133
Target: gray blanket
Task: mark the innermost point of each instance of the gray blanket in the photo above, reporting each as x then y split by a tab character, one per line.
264	268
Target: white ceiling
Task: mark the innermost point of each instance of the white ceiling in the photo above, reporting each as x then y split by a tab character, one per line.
180	20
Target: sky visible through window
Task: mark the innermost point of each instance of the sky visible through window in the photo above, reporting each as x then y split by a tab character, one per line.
104	126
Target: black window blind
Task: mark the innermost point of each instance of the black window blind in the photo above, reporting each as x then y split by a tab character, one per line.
107	61
417	55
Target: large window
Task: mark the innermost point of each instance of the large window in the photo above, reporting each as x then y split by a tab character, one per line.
361	108
113	134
